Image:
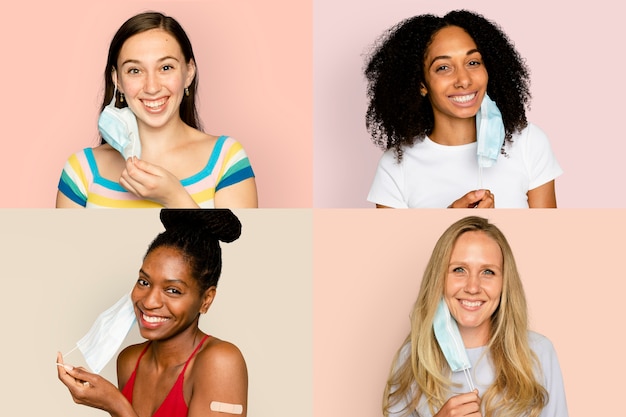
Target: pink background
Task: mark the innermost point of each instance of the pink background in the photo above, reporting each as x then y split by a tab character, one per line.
573	54
255	69
368	266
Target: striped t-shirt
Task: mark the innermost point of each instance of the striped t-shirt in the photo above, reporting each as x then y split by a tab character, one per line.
81	181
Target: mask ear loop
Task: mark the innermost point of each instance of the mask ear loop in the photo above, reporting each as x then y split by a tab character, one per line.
73	349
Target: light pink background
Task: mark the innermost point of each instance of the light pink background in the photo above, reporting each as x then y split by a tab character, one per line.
255	69
367	270
573	56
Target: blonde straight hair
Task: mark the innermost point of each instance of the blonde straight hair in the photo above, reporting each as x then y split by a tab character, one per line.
516	390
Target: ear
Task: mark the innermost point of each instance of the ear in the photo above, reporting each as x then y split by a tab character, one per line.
115	80
191	72
423	90
207	299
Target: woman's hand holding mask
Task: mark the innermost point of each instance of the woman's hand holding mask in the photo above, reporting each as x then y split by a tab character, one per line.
92	390
461	405
475	199
152	182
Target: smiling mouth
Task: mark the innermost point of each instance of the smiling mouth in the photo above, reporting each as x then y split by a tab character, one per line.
463	99
155	104
153	319
471	304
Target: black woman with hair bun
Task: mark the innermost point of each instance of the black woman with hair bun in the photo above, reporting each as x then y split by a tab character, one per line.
179	371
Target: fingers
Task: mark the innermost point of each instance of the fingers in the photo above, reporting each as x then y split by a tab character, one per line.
487	201
467	404
135	178
73	377
151	182
475	199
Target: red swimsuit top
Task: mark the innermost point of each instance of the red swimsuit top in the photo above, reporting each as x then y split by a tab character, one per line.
174	404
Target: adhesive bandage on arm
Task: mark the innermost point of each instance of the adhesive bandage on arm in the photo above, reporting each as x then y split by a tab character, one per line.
226	407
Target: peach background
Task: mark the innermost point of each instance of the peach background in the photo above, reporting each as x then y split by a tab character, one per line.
60	269
571	52
367	270
255	69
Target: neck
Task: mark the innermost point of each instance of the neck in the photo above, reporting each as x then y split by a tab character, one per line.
474	337
454	132
162	139
176	350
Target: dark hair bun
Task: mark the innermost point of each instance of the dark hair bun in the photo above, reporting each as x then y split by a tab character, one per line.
221	224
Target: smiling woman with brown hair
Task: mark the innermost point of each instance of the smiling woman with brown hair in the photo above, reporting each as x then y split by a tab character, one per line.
151	71
180	371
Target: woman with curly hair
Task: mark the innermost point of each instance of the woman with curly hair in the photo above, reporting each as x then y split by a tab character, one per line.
516	372
447	98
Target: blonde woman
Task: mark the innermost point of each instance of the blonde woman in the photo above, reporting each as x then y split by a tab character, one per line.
515	371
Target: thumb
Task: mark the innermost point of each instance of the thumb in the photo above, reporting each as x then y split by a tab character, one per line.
142	165
479	194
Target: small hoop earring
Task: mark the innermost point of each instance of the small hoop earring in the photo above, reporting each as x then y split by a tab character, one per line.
121	97
187	91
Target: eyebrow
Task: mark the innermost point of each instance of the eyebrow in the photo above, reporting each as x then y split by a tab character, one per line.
462	263
471	51
167	281
135	61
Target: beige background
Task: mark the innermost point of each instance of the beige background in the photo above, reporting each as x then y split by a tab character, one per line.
60	269
368	267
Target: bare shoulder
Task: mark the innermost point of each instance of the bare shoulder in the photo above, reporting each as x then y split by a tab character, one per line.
219	374
126	361
202	141
219	354
109	161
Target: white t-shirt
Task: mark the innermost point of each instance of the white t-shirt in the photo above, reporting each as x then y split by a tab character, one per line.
434	176
482	375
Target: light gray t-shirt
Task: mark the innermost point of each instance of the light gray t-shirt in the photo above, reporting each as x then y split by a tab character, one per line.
483	376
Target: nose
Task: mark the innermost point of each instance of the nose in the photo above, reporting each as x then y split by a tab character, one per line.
472	285
152	299
463	80
152	84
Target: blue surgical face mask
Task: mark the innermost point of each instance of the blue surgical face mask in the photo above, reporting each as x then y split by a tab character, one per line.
119	128
489	132
450	341
107	333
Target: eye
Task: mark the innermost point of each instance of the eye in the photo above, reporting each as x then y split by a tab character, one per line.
442	68
489	272
458	270
133	71
142	283
174	291
167	67
474	63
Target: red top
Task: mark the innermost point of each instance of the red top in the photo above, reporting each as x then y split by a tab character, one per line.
174	404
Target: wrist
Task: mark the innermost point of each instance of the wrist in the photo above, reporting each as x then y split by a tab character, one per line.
183	200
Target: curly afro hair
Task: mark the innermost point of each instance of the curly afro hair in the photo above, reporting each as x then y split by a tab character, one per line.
397	114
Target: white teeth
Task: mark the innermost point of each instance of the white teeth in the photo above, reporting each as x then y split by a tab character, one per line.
471	303
154	104
150	319
463	99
